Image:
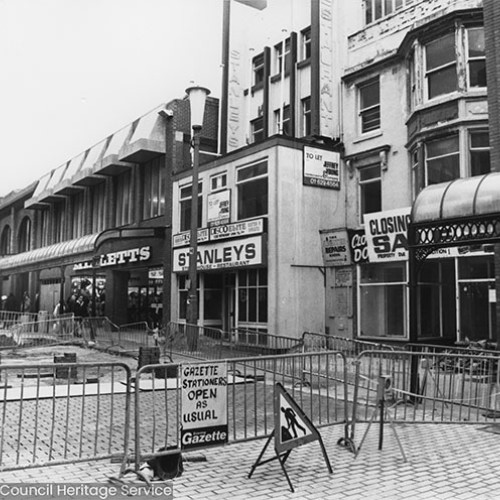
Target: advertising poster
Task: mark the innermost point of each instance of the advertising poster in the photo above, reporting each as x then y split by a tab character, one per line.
203	405
219	207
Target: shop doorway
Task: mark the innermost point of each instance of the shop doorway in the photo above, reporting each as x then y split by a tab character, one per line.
229	302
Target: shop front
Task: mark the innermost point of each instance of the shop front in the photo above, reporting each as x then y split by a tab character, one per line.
232	275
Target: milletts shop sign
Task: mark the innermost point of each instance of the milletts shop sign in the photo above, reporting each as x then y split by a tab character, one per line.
129	256
226	254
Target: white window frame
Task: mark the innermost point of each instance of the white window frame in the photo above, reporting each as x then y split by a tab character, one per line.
362	112
472	59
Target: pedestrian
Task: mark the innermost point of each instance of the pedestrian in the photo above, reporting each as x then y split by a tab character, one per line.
11	303
26	303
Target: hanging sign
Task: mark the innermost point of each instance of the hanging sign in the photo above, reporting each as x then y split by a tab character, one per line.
203	405
321	168
335	247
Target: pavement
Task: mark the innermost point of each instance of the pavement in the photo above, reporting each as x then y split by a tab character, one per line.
443	461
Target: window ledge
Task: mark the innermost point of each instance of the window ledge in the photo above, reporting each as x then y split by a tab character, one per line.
367	136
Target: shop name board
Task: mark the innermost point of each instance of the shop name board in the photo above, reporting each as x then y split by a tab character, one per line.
335	247
222	232
125	256
321	168
235	253
203	405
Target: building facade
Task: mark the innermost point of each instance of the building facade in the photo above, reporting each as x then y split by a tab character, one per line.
334	115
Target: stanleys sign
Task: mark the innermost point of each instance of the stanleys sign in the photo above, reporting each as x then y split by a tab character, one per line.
321	168
235	253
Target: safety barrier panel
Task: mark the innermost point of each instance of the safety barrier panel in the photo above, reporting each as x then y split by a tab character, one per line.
435	387
314	380
63	413
313	342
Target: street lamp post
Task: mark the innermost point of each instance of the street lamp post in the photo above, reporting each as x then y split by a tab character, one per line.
197	97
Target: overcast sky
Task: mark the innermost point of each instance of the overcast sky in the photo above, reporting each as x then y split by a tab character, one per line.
74	71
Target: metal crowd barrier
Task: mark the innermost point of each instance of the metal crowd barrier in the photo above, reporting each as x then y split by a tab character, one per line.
314	380
313	342
63	413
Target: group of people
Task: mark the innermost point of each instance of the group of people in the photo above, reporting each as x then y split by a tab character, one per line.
12	303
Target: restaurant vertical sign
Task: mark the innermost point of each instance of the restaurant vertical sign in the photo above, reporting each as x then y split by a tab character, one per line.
203	405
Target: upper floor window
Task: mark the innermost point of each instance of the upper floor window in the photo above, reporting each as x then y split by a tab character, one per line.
258	69
376	9
479	148
257	126
282	126
123	187
442	160
278	52
306	116
252	188
441	66
5	241
185	206
218	181
370	189
154	188
98	194
305	44
58	216
369	105
24	237
78	215
476	57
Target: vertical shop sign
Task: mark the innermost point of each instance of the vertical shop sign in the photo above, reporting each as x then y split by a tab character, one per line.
357	245
203	405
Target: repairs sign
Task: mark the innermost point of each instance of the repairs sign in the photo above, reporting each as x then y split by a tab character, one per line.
203	405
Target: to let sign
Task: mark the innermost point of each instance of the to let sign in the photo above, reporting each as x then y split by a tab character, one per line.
321	168
203	405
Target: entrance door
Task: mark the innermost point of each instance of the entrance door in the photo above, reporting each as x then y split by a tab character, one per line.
229	291
477	312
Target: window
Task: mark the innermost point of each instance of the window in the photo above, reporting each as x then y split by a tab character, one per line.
185	207
479	147
306	116
58	221
376	9
252	186
252	297
441	66
369	105
154	188
370	187
282	127
278	52
212	296
123	189
98	194
183	282
78	212
476	57
258	69
442	160
24	237
383	301
257	129
5	248
218	182
305	50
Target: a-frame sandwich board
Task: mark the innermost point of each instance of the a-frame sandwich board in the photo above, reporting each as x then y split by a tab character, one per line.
292	428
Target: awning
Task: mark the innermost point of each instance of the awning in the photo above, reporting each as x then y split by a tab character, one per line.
457	213
58	254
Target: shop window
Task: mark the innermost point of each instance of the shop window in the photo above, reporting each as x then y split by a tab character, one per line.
257	127
383	302
476	57
123	196
306	116
479	147
279	126
154	188
252	297
185	207
252	186
278	57
441	66
305	44
370	189
369	105
5	246
442	160
183	288
258	69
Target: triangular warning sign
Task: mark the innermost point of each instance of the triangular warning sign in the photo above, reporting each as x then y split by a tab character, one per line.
292	426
